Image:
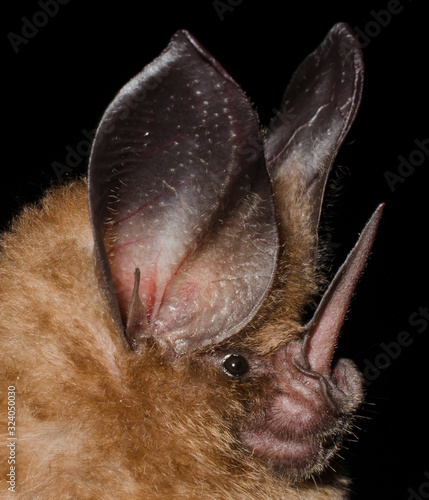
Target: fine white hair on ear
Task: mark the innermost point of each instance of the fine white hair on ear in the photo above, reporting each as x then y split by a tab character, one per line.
195	218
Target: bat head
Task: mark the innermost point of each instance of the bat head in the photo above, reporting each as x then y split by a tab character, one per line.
193	357
198	220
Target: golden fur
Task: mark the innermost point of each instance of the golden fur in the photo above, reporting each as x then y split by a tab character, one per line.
96	421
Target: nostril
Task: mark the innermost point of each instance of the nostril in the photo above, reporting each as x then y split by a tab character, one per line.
347	379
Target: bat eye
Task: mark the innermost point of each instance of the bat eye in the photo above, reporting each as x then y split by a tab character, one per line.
235	365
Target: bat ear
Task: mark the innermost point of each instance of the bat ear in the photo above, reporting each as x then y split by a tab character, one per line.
317	110
183	221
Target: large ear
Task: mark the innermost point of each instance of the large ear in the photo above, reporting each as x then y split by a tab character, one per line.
317	110
183	222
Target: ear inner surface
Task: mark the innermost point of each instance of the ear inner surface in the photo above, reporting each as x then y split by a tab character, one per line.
173	194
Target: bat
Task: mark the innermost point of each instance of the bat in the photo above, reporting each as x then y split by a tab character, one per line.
154	328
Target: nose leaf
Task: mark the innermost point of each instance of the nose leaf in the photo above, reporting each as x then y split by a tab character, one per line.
328	319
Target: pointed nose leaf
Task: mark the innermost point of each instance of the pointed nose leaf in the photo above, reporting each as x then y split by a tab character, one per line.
328	319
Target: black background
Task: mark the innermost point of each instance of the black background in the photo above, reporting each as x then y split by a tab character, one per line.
60	81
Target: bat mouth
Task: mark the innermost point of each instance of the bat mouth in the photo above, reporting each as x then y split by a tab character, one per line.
294	457
308	414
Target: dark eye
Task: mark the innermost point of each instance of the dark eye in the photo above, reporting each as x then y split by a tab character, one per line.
235	365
